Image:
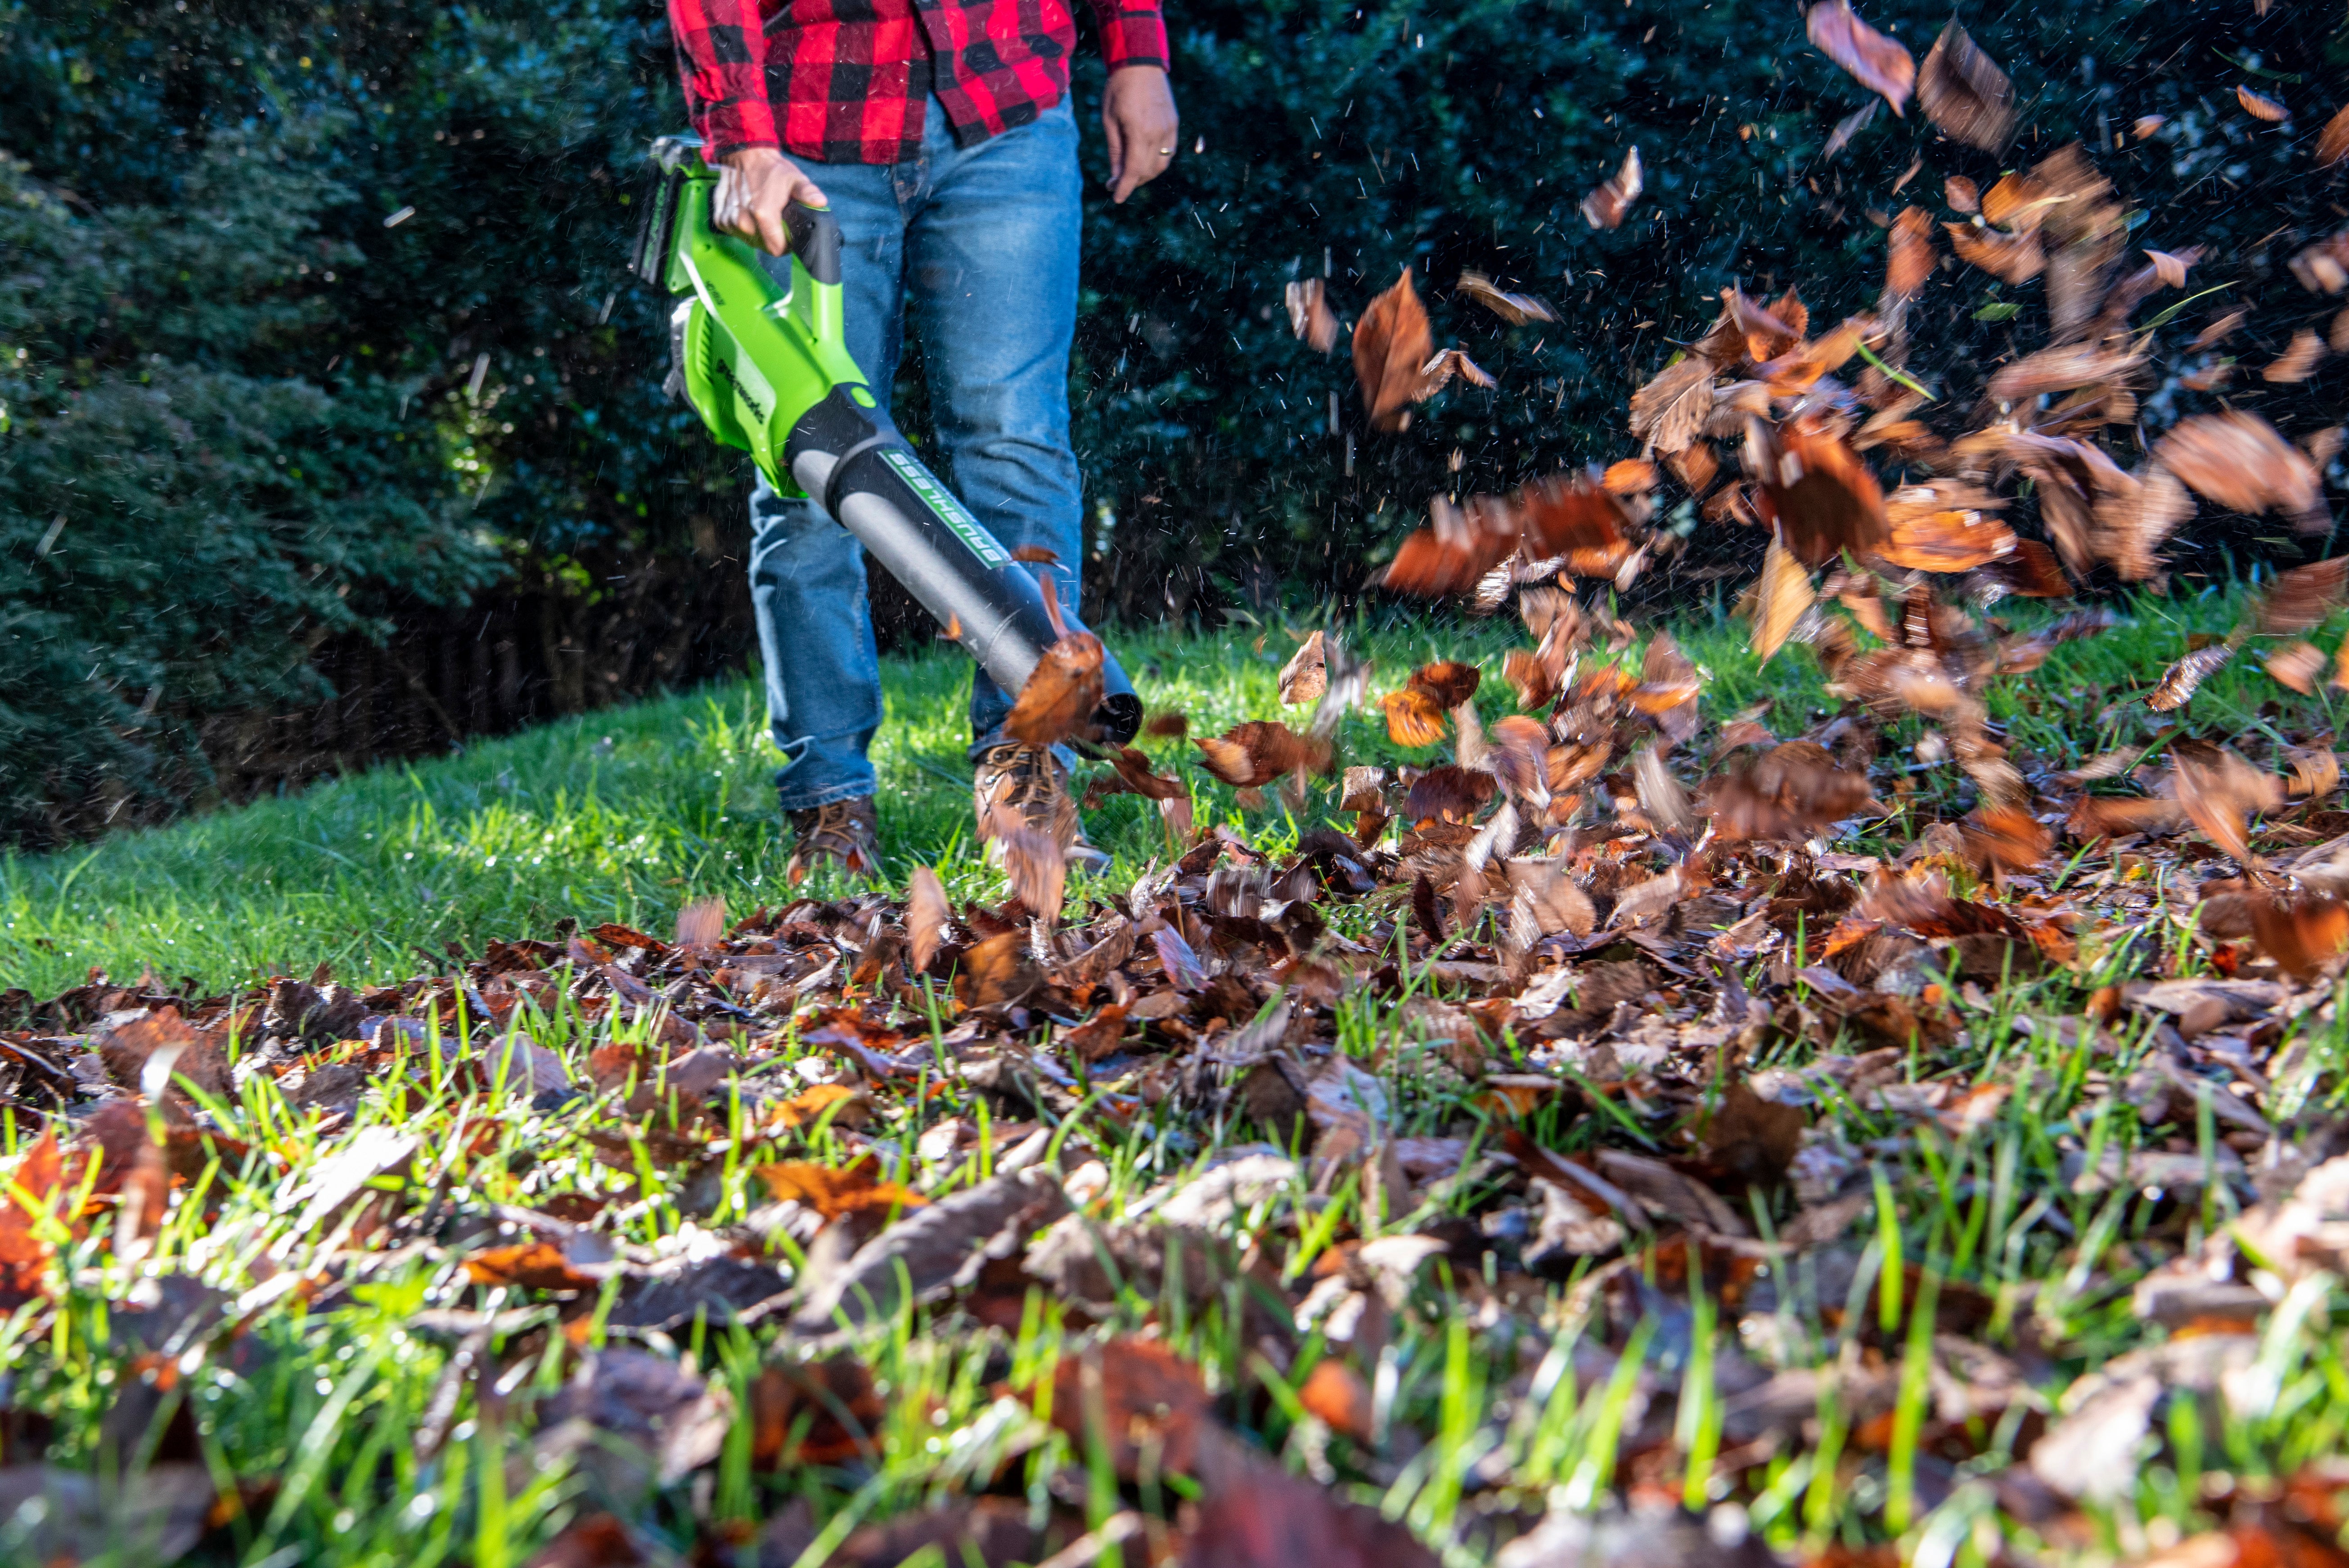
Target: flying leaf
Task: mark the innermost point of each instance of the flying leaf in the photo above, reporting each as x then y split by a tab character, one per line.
701	922
2332	142
2171	267
1260	752
1961	194
1413	717
2303	597
1783	794
1846	127
1669	411
2239	460
1818	492
1448	682
2009	258
1391	342
1964	93
1515	308
1785	594
2298	360
2259	106
1035	862
1610	202
1061	692
1438	372
2181	680
1877	63
2298	665
1909	252
1310	317
1306	675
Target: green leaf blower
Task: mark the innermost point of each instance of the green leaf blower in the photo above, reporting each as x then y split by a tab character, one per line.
767	370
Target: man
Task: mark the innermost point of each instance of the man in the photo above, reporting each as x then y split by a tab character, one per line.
949	154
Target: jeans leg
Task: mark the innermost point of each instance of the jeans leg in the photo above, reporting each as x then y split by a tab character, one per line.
807	572
991	286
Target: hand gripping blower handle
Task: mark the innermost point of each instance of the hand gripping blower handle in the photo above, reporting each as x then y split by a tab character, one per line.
767	370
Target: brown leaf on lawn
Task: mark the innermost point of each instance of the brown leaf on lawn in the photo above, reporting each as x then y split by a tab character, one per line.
2260	107
1339	1397
2303	597
1610	202
845	1107
1257	1515
1785	793
1784	592
1964	93
1261	751
24	1255
1306	675
2181	680
2009	258
532	1266
1392	343
1310	315
1751	1140
1515	308
1035	862
833	1191
2239	460
1877	63
1816	490
1908	252
597	1540
1138	1399
1061	692
2298	360
813	1413
2300	930
927	913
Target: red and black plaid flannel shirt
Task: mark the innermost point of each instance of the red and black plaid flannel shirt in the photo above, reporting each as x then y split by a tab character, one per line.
847	81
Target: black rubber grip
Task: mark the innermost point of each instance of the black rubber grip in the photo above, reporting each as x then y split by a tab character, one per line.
815	240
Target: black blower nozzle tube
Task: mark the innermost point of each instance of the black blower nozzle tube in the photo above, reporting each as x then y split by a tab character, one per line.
862	472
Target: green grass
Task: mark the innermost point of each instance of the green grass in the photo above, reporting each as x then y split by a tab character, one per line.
621	816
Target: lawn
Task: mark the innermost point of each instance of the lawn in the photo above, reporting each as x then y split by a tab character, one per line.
1221	1227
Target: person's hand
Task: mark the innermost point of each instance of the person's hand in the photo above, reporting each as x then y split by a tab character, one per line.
754	185
1139	119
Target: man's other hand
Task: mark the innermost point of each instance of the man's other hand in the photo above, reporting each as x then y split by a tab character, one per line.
1139	119
754	185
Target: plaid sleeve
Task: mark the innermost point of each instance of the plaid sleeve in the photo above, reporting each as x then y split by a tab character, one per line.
1133	31
722	58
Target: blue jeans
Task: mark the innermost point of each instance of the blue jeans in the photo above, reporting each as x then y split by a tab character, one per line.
978	245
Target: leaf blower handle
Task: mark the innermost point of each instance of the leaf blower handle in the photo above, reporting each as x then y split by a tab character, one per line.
814	235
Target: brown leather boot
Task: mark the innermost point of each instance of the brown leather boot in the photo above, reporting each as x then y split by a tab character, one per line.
1030	782
843	833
